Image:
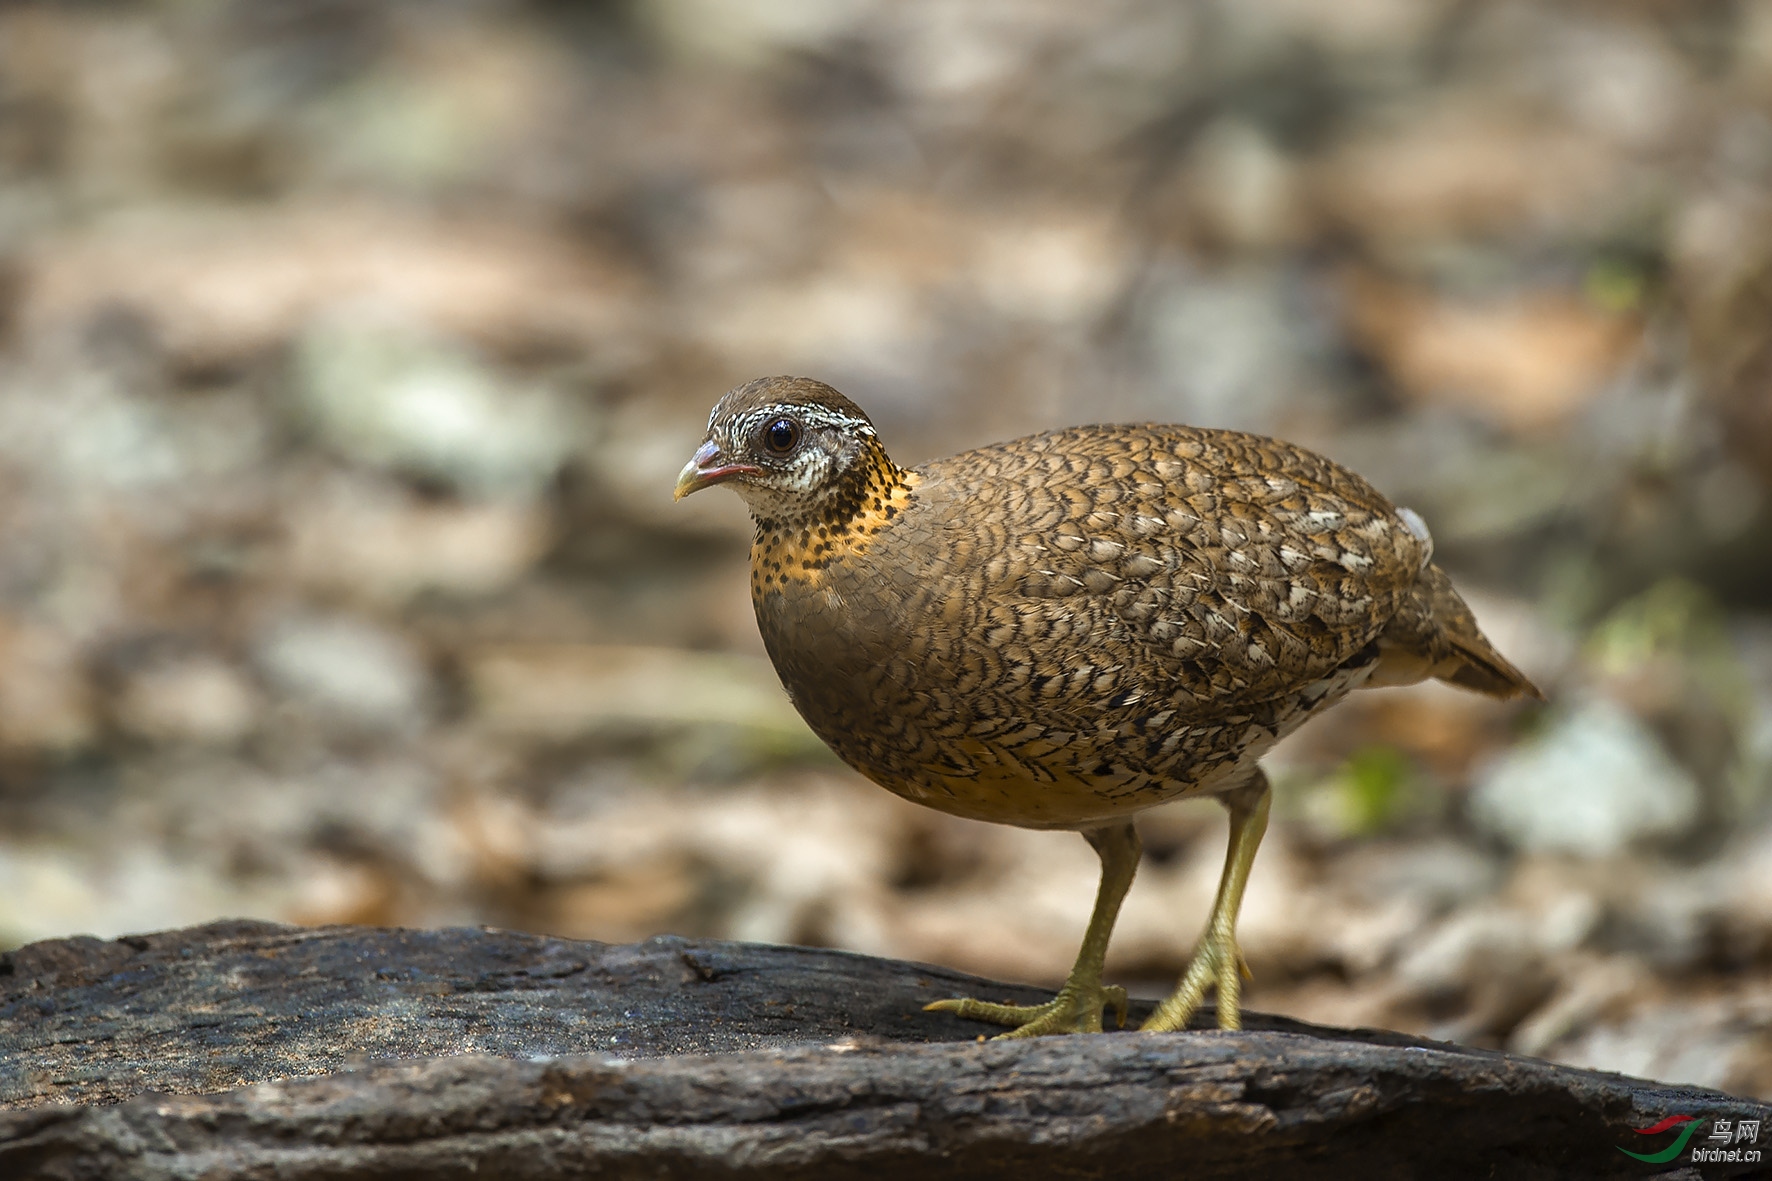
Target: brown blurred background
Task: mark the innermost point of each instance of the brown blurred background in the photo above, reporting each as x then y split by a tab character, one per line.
348	352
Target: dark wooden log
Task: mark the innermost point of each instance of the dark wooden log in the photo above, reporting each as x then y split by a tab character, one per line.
458	1053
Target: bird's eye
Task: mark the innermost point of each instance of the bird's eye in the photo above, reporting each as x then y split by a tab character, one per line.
781	436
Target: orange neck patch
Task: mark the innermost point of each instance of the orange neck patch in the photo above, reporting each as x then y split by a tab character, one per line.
841	525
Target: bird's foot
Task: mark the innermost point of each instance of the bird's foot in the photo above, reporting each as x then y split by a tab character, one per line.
1217	964
1076	1009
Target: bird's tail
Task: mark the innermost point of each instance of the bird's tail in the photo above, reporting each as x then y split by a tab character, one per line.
1435	635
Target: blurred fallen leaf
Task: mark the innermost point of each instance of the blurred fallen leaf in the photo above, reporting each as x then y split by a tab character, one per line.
1528	363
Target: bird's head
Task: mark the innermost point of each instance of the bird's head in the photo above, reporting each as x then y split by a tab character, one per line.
788	445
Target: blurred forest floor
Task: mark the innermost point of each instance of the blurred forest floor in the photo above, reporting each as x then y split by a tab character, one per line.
348	352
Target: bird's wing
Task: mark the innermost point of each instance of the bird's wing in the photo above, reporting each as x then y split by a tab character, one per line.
1178	562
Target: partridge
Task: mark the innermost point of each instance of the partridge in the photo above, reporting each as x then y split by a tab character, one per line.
1064	630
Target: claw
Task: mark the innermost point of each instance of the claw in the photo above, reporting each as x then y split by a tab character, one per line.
976	1010
1071	1011
1115	998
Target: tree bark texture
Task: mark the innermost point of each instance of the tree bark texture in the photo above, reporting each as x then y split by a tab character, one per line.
256	1050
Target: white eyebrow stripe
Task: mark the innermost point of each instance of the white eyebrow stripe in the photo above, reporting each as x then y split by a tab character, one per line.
812	416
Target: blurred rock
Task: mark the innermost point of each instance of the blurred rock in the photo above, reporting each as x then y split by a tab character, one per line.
1231	349
361	674
46	701
394	395
1244	188
1595	782
1051	266
1619	80
374	541
186	698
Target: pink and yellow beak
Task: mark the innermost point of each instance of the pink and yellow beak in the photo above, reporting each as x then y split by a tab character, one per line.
708	467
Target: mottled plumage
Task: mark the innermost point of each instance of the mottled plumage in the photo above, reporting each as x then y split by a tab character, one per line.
1065	629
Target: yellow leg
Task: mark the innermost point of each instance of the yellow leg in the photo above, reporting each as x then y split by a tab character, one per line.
1217	962
1078	1005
